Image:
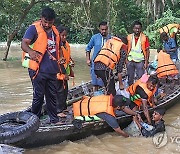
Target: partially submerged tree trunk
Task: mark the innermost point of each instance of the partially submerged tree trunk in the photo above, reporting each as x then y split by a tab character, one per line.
10	38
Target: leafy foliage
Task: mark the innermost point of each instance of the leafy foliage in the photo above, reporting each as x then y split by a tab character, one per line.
153	30
83	16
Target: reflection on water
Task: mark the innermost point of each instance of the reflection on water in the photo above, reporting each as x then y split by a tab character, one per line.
16	94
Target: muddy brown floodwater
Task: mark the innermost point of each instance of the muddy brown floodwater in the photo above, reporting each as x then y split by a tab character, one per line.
16	94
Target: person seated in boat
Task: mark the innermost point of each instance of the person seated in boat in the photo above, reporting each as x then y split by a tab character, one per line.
104	107
157	123
165	66
112	54
142	94
62	91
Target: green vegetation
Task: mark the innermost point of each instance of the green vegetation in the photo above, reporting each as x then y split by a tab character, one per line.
83	16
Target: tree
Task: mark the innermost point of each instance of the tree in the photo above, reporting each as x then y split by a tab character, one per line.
153	30
15	11
157	5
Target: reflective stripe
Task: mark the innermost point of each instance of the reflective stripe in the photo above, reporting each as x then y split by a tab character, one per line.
87	118
136	50
134	97
137	57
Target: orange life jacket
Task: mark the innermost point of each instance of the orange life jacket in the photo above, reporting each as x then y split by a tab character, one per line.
165	65
40	45
90	106
168	27
143	44
132	90
110	52
66	53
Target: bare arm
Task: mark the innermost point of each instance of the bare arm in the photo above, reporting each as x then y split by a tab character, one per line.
147	58
145	110
88	60
34	55
129	111
153	101
25	45
119	67
121	132
120	80
148	53
62	59
135	119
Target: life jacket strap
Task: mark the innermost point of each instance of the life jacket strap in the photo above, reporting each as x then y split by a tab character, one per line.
80	108
166	65
89	106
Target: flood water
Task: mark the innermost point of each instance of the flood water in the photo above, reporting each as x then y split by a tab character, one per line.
16	94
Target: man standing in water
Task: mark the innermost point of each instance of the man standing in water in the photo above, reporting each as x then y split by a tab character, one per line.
43	67
97	41
138	53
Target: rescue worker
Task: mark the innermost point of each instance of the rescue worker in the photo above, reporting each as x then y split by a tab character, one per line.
157	123
138	53
165	66
68	64
142	95
42	61
169	45
97	41
104	106
171	30
111	56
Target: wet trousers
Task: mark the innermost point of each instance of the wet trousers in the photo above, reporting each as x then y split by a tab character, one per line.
62	93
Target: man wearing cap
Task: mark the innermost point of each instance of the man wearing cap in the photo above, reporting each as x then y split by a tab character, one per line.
157	123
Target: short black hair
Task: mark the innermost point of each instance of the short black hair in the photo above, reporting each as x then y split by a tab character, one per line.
48	14
154	79
61	28
118	100
163	34
124	40
102	23
136	23
161	111
159	49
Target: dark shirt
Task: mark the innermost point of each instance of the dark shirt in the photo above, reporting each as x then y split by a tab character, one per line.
158	127
109	119
47	64
141	92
